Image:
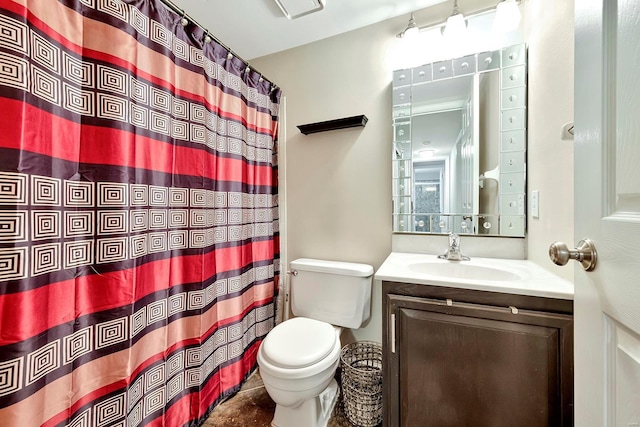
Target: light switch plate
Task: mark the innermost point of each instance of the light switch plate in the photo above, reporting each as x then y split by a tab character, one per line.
535	204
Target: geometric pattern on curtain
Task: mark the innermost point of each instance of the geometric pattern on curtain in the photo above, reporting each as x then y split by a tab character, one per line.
139	239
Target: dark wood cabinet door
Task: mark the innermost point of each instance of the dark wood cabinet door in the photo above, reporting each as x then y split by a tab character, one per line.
476	365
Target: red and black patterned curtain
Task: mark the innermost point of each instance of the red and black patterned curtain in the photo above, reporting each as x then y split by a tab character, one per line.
139	245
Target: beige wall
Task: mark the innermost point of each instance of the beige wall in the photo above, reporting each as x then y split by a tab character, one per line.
549	34
338	183
338	201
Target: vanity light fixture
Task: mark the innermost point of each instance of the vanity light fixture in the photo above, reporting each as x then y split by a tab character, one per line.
411	30
507	16
456	24
507	19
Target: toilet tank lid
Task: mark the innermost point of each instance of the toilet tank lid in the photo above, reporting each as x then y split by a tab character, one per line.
332	267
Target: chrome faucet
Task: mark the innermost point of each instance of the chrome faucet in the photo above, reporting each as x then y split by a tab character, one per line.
453	253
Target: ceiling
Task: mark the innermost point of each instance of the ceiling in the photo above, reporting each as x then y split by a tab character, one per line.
254	28
438	131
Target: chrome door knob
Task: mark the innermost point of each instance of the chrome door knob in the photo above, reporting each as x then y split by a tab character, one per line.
585	254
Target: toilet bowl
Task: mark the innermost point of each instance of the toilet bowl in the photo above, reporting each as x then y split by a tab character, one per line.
299	357
298	361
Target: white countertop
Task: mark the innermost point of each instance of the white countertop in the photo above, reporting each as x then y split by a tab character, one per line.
530	278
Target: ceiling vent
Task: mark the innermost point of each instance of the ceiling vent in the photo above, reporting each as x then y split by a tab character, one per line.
293	9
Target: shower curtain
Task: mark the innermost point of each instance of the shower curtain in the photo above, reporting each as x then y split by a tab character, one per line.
139	247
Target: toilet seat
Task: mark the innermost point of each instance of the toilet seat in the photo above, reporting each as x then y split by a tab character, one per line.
299	343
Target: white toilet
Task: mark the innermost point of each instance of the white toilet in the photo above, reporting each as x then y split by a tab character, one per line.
299	357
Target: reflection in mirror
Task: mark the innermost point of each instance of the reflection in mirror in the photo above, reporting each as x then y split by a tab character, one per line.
459	145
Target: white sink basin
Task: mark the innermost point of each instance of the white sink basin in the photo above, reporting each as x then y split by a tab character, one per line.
520	277
463	270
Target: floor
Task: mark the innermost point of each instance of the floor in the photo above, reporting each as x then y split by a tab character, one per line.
252	406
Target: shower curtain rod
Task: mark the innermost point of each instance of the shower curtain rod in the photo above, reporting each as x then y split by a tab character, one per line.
184	15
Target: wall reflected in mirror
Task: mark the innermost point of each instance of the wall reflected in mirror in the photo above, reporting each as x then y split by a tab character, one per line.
459	145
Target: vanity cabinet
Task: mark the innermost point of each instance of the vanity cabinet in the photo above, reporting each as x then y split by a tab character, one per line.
455	357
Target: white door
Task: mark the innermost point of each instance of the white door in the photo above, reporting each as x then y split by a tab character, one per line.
607	211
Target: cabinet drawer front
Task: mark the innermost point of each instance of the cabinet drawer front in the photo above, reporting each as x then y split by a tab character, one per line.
511	183
464	65
442	70
513	140
514	97
513	119
513	55
422	74
512	225
488	60
401	78
513	76
512	204
512	161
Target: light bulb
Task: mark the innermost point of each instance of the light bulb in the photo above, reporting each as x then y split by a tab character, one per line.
507	16
455	27
411	33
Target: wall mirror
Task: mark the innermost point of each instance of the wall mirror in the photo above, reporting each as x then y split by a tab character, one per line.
459	145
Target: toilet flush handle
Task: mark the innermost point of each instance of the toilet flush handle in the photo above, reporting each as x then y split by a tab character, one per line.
294	273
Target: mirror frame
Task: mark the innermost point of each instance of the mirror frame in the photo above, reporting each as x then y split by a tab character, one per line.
509	176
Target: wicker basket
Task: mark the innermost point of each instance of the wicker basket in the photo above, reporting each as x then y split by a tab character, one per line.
361	364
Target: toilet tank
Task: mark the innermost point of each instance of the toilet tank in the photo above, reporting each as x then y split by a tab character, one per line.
335	292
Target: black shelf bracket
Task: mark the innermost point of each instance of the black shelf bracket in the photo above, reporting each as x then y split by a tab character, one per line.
347	122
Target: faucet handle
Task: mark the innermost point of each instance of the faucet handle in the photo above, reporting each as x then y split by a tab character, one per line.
453	252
